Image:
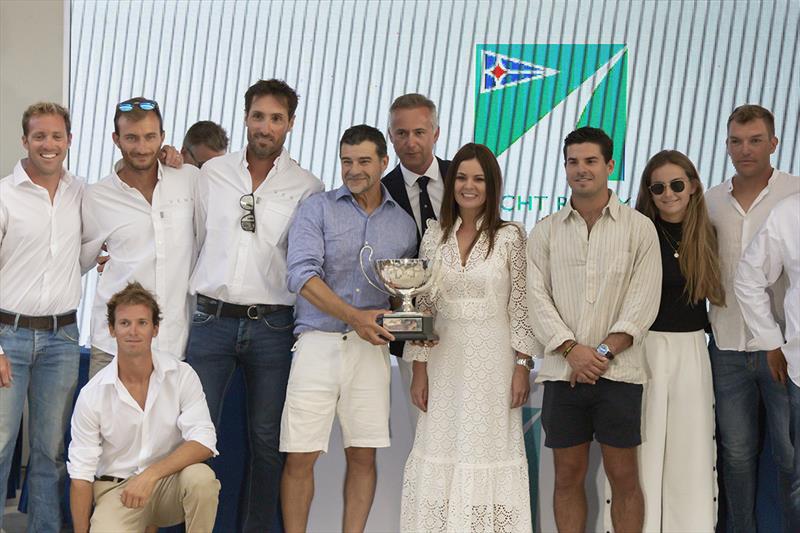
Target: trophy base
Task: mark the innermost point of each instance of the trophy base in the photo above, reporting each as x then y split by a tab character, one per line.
409	326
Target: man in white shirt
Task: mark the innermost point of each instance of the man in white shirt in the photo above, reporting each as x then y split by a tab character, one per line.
744	370
775	249
416	183
144	214
245	312
40	287
140	433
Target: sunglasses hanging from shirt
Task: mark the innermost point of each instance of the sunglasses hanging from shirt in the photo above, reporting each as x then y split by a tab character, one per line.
677	185
248	221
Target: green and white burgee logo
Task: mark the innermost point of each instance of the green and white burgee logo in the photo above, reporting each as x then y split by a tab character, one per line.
520	84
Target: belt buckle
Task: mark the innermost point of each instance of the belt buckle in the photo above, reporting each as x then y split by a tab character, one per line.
253	308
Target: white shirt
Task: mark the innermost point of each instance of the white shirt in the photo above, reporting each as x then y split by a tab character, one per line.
243	267
735	229
153	244
39	245
113	436
435	189
774	249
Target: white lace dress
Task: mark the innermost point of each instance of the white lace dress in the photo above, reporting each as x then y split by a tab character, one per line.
467	471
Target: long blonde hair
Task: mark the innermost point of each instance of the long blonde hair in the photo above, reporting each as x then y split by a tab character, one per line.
698	247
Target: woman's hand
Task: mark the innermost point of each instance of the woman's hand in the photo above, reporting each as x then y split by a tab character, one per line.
419	386
520	386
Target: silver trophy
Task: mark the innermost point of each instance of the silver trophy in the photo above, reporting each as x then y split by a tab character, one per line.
406	278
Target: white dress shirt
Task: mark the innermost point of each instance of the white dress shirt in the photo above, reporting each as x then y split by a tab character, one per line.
153	244
238	266
735	228
773	250
435	189
39	245
113	436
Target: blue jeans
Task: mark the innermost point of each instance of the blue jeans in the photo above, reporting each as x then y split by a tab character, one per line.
44	367
263	348
794	498
740	378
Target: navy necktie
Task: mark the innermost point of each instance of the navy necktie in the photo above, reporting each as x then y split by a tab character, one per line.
425	205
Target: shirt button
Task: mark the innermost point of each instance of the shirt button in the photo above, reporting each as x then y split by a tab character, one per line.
344	337
358	290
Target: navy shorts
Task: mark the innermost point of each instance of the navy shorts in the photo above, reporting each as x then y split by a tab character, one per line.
609	410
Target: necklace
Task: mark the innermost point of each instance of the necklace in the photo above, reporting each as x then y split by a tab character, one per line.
670	241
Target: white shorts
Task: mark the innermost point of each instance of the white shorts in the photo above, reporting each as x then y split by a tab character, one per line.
336	374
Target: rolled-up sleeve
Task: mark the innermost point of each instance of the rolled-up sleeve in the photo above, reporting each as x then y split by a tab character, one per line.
194	422
306	252
640	304
85	447
548	326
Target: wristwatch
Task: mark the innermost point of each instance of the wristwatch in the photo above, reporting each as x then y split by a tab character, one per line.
527	362
605	351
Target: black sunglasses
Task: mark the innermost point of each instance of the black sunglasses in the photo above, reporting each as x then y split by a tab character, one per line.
248	221
677	185
191	153
144	105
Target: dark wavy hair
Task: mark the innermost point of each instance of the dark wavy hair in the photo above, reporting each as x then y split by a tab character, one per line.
491	222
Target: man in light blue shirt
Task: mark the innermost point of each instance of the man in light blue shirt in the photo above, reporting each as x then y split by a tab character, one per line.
341	362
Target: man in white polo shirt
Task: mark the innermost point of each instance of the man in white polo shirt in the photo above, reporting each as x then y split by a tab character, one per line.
745	370
40	287
144	214
140	432
245	312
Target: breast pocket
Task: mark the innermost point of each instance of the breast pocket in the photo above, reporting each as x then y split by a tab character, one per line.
272	219
178	221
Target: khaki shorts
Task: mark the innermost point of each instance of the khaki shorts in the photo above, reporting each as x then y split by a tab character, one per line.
336	374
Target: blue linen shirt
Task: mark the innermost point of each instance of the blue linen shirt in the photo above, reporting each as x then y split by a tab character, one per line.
326	239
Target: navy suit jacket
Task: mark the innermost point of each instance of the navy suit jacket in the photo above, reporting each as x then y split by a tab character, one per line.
396	185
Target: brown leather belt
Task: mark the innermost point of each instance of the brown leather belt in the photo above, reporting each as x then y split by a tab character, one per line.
212	306
51	322
112	479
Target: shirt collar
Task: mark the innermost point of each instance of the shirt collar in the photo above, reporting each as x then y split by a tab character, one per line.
119	165
411	177
20	176
279	165
458	221
612	208
162	363
343	192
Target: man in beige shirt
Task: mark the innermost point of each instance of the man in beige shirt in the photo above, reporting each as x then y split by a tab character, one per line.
594	279
746	370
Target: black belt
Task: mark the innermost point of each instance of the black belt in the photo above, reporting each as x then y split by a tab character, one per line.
51	322
112	479
212	306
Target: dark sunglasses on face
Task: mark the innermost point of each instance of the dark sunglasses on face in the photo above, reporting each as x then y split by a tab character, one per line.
248	221
677	185
144	105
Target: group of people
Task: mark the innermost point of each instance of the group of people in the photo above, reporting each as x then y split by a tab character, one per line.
249	263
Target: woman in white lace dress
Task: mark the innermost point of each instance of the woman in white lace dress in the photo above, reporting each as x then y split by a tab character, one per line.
467	471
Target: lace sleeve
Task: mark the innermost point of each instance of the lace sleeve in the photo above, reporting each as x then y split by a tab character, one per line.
425	302
522	338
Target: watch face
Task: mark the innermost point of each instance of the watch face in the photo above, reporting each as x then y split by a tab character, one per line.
602	349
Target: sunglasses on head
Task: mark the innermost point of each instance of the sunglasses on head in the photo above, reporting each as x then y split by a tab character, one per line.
144	105
677	185
248	221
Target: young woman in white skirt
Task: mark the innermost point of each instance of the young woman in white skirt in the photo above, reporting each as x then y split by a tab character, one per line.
677	458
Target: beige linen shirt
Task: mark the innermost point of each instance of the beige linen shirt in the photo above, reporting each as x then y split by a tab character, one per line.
735	229
585	285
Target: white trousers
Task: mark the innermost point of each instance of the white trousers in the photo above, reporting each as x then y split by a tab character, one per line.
678	455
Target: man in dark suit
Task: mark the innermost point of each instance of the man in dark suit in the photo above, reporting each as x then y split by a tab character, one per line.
417	183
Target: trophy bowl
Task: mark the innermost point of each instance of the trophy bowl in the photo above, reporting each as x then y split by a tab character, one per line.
405	278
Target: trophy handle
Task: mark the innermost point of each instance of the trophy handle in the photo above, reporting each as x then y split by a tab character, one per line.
369	248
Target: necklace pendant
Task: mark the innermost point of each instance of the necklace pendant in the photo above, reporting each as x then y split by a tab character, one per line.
676	255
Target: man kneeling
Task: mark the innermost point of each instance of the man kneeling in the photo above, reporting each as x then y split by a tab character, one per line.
140	434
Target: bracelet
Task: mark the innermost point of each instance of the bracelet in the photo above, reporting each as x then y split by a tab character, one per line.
569	349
